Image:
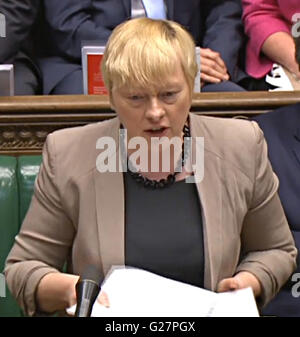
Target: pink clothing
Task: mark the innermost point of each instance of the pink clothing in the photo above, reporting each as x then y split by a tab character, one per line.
263	18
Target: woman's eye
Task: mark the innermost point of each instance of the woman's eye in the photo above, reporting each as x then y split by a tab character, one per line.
136	97
169	95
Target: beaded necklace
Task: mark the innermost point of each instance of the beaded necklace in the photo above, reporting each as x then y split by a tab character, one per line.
162	183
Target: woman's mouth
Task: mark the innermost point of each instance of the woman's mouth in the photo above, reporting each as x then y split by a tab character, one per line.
157	131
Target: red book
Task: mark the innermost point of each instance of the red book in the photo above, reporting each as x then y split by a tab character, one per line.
95	80
93	83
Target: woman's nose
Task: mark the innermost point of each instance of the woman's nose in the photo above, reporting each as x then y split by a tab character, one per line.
155	110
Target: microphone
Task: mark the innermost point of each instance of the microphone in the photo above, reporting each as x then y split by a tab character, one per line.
87	290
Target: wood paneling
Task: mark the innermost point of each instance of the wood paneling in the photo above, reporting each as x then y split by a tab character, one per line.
25	121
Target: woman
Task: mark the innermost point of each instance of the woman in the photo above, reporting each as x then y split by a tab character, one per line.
229	230
268	24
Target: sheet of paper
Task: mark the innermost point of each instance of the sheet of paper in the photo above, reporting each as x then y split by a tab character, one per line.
240	303
138	293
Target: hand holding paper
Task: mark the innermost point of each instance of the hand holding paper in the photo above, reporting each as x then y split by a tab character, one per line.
241	280
137	293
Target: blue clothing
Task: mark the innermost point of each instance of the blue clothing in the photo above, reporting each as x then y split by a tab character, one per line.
214	24
281	128
18	46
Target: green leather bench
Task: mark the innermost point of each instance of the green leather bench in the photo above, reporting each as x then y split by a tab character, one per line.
17	176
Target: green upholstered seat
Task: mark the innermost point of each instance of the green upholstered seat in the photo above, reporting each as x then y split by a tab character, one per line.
9	224
17	176
28	168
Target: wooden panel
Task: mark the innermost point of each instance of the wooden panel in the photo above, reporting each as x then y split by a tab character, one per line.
25	121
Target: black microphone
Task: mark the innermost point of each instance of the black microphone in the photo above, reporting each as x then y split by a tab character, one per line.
87	290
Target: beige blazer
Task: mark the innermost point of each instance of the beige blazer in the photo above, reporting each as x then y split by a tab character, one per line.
77	213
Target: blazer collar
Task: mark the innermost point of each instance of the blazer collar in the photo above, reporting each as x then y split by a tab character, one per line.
210	195
170	9
127	6
110	209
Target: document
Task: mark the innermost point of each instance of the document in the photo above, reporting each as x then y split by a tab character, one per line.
134	292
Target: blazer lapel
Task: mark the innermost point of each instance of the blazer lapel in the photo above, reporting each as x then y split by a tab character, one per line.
127	6
109	190
210	194
170	9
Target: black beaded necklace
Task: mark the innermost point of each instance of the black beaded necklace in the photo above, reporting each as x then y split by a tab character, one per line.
162	183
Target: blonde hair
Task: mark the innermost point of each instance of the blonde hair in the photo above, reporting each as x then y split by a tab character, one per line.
144	52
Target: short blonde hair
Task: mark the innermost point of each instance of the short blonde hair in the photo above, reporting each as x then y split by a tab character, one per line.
144	52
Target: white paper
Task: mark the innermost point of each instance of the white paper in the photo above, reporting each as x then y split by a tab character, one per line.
137	293
6	80
279	79
239	303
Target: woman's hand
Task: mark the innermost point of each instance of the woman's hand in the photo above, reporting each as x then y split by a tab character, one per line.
240	281
213	68
103	299
56	291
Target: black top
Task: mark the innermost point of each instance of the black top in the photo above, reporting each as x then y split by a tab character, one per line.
163	231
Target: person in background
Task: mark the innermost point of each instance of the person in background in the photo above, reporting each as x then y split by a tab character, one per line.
297	44
18	48
281	128
268	25
85	212
216	26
